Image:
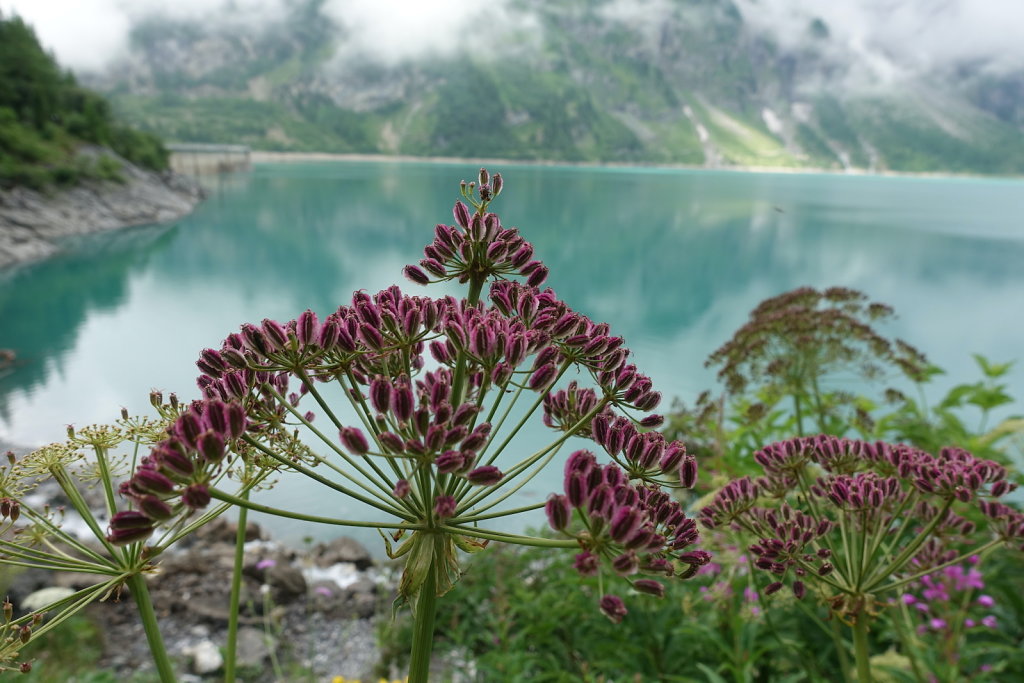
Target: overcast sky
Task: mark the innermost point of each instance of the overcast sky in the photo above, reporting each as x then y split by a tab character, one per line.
911	35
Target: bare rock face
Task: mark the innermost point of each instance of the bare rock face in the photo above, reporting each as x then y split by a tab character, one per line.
32	224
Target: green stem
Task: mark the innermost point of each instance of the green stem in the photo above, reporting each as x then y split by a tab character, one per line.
423	628
294	465
242	503
140	593
490	535
491	515
982	551
860	648
909	551
108	487
236	592
840	644
799	416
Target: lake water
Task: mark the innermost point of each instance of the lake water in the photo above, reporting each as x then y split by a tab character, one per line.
673	259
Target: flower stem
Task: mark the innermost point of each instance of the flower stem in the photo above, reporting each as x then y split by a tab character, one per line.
860	648
423	628
236	592
140	593
242	503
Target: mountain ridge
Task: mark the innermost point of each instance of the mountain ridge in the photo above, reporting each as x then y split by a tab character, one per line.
695	85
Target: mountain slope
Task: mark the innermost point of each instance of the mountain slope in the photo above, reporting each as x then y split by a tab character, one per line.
693	82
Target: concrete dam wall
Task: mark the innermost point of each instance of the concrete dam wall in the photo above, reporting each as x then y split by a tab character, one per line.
199	159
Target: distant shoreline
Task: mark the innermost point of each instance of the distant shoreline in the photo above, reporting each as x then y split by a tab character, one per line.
265	157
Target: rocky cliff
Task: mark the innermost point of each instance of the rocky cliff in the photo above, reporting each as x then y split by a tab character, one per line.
33	224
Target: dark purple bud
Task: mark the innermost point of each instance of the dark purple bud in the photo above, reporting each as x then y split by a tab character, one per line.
625	564
237	421
576	489
130	519
650	587
380	394
402	401
188	428
488	475
434	267
275	333
329	334
211	446
599	500
543	377
169	457
416	275
624	523
196	496
234	358
558	511
151	481
155	508
402	488
652	421
444	507
688	472
613	608
212	363
392	442
449	461
354	440
673	456
128	536
496	184
307	327
254	340
461	214
537	277
825	569
773	588
799	589
648	401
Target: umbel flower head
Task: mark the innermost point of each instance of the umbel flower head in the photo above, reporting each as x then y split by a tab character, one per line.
861	519
432	394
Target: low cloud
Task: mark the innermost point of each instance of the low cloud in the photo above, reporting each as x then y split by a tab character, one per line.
892	39
87	35
392	31
885	40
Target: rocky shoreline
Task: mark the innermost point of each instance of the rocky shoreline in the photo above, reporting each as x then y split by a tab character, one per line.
33	224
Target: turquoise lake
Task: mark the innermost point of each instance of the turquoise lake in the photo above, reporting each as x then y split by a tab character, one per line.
673	259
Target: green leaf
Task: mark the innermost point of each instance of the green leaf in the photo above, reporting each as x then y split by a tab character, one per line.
990	398
713	677
992	370
955	397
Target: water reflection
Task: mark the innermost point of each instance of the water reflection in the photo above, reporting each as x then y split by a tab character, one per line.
673	259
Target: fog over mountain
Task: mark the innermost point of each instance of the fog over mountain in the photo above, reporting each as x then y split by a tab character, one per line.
874	84
905	36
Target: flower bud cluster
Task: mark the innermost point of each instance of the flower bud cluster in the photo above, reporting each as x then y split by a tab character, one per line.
510	339
644	455
477	245
870	490
419	423
174	477
633	528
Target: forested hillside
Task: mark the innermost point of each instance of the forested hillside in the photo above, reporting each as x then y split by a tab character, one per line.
46	117
689	81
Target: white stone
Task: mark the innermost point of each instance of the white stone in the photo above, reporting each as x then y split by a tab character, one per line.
206	657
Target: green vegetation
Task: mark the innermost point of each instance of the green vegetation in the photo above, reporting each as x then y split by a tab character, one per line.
589	87
45	118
